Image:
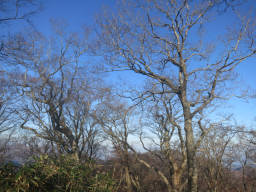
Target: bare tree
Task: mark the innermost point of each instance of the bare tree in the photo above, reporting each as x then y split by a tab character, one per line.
159	40
12	10
166	136
16	10
116	122
243	157
214	159
8	119
57	96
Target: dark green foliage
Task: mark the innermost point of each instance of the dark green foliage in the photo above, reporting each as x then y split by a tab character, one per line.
46	174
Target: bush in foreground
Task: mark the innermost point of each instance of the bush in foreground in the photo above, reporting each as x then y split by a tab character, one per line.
47	174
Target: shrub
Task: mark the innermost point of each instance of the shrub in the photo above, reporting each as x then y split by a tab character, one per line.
47	174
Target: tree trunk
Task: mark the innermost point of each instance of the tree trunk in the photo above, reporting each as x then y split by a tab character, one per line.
128	180
75	152
191	166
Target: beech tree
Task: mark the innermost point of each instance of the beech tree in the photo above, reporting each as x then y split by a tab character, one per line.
116	119
10	11
57	97
214	162
167	138
164	41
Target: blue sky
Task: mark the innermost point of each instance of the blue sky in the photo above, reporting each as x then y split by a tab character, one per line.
77	12
80	12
